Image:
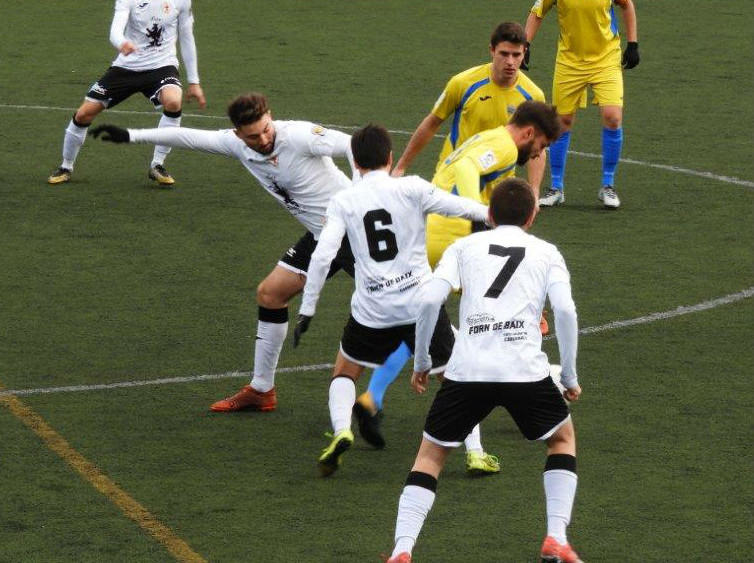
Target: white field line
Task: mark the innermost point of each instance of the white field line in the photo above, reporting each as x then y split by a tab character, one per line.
667	167
677	312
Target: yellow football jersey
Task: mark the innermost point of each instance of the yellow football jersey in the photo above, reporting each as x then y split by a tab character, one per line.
589	35
477	104
493	155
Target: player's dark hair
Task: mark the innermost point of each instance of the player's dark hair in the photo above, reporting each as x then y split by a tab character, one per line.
542	116
248	108
371	147
512	32
512	202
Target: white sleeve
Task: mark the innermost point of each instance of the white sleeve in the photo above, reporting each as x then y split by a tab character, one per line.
430	299
566	330
449	268
327	247
332	143
188	45
215	142
436	200
118	27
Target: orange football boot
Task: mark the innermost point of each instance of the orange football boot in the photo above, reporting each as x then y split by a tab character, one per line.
247	398
404	557
554	552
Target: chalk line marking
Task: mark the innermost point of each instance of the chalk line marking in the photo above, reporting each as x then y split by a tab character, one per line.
666	167
677	312
101	482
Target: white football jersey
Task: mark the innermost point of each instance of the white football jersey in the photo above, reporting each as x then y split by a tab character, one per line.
384	218
505	275
153	27
299	173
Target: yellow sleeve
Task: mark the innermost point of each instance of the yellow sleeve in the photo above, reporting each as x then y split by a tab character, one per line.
467	178
541	7
446	104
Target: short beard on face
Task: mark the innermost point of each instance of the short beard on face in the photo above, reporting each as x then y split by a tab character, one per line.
524	153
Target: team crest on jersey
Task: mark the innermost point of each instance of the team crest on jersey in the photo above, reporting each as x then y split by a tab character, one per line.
318	130
166	8
511	110
487	160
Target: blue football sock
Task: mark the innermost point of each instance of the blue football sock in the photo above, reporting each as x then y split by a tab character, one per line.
612	142
558	154
384	375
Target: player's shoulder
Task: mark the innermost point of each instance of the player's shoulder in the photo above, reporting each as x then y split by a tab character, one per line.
472	75
527	84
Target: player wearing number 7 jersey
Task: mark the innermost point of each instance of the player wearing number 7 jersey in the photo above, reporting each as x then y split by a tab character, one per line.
497	361
384	219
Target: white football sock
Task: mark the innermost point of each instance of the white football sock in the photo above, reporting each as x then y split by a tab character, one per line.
413	507
560	490
269	342
160	151
473	441
72	143
342	399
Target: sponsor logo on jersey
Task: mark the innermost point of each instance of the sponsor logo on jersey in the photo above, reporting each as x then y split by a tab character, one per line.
484	98
142	5
483	323
487	160
318	130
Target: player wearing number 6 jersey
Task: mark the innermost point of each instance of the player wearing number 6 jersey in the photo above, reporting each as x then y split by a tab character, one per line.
506	275
384	219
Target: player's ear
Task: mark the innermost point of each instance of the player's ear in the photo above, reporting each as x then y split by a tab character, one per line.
490	219
390	161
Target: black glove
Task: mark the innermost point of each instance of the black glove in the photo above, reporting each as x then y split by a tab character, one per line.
302	325
111	133
630	55
525	62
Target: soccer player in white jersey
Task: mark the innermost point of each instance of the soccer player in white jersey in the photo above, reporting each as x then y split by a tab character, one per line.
384	219
292	161
505	274
145	33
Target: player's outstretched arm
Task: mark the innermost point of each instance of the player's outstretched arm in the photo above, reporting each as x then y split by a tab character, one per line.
111	133
421	137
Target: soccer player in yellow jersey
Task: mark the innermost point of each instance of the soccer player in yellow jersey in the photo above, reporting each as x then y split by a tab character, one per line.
480	98
479	163
588	55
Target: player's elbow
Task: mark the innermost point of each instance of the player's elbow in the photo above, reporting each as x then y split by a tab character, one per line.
565	310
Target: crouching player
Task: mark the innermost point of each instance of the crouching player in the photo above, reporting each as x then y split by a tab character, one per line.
497	361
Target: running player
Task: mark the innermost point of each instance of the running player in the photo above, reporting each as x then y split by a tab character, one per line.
145	33
383	218
588	55
292	161
497	360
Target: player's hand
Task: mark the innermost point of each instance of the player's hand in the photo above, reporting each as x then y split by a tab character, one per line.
126	48
111	133
630	55
572	394
525	62
302	325
419	381
195	92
